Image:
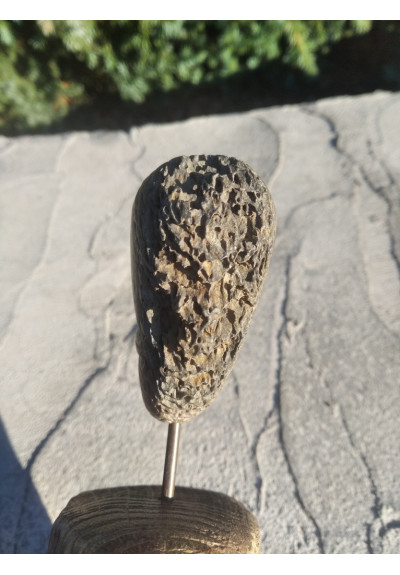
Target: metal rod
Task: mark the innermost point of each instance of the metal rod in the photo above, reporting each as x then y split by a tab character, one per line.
171	461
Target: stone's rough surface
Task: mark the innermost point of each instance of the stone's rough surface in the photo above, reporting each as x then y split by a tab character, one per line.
203	228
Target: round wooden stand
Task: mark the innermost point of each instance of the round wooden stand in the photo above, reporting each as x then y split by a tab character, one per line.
138	520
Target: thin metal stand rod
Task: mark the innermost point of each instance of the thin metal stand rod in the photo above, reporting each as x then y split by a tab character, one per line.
171	461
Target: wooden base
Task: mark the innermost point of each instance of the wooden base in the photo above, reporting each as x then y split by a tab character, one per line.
136	520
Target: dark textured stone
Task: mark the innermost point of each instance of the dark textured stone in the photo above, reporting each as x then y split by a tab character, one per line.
203	228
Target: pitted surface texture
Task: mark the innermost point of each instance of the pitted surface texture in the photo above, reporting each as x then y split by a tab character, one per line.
202	234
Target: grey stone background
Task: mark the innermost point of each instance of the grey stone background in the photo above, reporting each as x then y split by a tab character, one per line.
306	430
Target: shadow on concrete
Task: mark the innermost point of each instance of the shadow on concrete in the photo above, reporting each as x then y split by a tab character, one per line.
24	523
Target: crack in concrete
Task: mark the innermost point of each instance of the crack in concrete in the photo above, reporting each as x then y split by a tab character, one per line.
379	191
102	321
41	445
96	356
308	203
142	152
131	333
307	348
278	391
123	358
253	445
93	238
280	158
393	185
383	193
312	111
395	524
46	243
254	449
372	307
377	504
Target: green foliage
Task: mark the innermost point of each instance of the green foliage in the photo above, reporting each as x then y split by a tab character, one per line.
49	66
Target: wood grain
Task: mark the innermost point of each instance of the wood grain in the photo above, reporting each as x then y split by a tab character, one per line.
203	228
136	520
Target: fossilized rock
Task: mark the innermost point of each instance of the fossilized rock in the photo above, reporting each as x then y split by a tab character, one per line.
202	234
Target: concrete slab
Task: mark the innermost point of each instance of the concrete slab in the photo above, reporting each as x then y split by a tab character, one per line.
305	433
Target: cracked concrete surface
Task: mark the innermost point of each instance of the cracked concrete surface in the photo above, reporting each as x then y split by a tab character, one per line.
305	433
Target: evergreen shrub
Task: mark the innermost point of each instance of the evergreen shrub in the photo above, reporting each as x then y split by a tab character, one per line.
48	67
